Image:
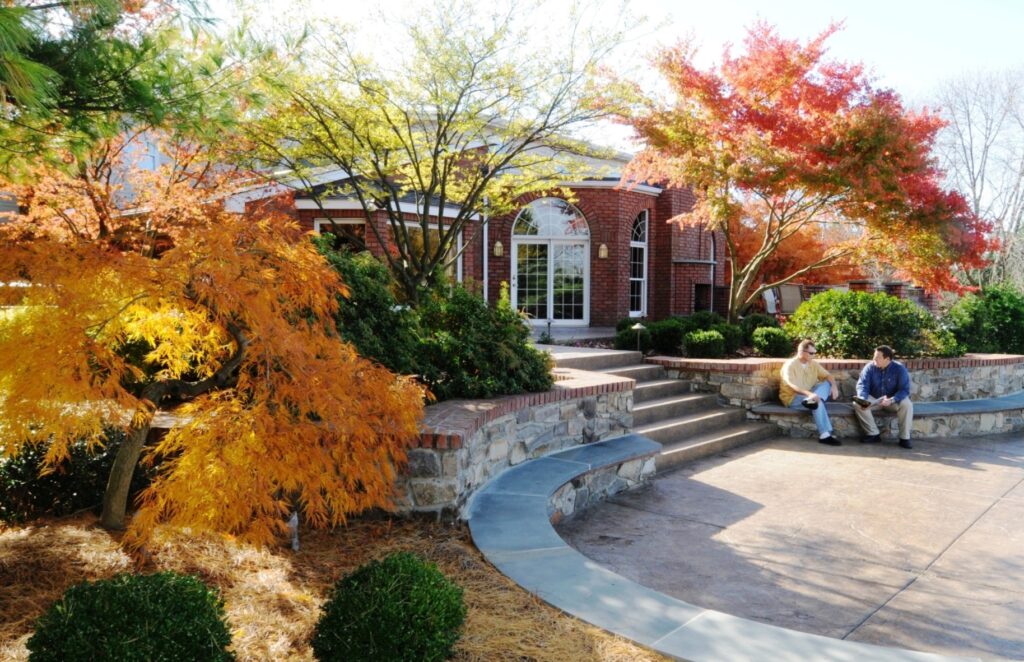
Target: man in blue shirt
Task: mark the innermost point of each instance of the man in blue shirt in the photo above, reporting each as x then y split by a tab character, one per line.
884	384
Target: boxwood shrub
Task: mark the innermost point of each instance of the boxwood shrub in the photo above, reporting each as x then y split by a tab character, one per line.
772	341
852	324
399	608
704	344
732	334
165	616
626	339
755	321
990	321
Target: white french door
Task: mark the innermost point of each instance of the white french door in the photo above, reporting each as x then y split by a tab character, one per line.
551	281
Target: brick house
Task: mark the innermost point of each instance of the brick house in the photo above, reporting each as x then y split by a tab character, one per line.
609	254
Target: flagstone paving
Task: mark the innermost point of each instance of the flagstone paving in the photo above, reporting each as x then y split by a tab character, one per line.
918	549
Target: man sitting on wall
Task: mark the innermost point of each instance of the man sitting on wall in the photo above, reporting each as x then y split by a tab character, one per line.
805	384
884	384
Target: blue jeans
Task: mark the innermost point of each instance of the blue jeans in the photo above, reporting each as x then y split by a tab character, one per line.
823	390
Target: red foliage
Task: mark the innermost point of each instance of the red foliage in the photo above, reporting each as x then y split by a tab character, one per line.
782	129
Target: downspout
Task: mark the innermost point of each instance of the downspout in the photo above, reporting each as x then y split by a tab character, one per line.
487	250
713	260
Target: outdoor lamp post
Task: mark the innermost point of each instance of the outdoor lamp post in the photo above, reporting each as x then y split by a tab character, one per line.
638	327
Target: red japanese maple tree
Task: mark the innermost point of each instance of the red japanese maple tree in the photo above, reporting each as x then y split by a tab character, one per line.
779	139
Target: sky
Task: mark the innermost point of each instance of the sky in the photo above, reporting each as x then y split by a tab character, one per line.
911	46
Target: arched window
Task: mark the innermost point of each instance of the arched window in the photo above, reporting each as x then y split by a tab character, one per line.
551	262
638	267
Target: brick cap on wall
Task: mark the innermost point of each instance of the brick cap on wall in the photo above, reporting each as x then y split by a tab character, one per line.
752	365
447	424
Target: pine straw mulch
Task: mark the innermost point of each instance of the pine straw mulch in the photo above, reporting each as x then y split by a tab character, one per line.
272	596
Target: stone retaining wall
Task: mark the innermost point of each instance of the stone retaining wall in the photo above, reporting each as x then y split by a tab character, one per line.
597	486
466	442
747	382
967	424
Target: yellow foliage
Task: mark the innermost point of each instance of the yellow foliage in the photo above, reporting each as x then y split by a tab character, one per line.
182	302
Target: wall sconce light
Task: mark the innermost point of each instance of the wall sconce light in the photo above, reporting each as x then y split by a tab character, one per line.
499	249
602	251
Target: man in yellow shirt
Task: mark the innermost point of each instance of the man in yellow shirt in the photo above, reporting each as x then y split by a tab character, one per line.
805	384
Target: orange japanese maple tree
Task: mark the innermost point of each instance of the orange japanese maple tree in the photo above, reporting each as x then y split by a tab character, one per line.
803	140
121	308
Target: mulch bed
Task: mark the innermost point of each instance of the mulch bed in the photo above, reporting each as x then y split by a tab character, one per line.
273	596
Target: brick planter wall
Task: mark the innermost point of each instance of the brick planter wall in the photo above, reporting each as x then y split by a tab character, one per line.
467	442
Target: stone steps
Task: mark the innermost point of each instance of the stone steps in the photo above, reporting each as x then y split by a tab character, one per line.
672	407
710	443
641	373
689	425
659	388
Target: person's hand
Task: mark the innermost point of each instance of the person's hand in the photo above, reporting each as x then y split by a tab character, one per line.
813	397
835	392
886	401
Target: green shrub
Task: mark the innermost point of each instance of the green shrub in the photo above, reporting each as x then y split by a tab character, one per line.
704	344
667	335
370	317
704	320
401	608
990	321
732	334
470	350
852	324
625	323
626	339
755	321
165	616
76	484
772	341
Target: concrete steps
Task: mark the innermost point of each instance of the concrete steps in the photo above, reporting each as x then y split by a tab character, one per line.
688	425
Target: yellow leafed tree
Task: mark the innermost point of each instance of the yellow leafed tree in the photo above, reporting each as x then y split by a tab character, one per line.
132	294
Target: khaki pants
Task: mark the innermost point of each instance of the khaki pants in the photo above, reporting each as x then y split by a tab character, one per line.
904	415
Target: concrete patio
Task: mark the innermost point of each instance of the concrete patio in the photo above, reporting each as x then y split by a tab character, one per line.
919	549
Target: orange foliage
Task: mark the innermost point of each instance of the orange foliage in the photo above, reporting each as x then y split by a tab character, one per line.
178	301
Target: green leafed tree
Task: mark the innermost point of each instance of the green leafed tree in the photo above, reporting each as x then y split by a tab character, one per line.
73	72
458	109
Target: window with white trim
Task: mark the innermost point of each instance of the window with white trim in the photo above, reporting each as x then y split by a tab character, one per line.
638	267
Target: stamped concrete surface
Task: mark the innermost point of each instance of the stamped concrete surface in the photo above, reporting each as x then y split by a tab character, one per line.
920	549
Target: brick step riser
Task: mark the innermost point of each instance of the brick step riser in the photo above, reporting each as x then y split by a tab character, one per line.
665	411
689	428
673	458
601	361
648	393
641	373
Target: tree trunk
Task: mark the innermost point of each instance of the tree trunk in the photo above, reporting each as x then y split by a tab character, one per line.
115	498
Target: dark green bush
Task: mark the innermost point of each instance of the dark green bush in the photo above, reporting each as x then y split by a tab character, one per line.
626	339
852	324
732	334
370	317
165	617
704	344
704	320
625	323
470	350
667	335
755	321
772	341
456	343
401	608
991	321
76	484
